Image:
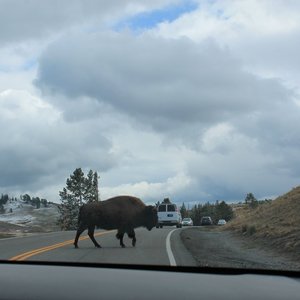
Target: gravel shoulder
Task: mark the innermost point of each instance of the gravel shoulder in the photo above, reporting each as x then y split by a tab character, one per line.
212	247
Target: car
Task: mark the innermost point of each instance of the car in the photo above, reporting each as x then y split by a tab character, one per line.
187	222
168	214
221	222
206	221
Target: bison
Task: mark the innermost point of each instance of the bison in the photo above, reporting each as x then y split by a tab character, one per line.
124	213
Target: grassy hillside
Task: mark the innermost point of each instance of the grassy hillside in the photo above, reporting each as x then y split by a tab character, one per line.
276	224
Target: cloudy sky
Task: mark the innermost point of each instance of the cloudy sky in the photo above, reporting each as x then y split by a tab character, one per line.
193	100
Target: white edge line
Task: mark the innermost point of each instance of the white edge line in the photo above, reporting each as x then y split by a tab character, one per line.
169	250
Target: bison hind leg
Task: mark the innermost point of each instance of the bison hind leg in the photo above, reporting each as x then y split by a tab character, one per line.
81	228
131	235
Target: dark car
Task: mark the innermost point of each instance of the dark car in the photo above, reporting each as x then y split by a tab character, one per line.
206	221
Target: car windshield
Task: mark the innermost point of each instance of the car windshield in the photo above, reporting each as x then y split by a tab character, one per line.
121	120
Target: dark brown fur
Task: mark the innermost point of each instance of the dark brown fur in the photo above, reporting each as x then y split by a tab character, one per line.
124	213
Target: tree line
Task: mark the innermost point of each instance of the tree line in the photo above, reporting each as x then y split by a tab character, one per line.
217	210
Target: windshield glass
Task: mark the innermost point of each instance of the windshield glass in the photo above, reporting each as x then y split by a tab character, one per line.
122	119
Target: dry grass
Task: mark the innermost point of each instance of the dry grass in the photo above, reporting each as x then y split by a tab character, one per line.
276	224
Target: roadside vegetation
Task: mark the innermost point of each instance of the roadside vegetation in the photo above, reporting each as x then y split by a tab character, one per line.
274	223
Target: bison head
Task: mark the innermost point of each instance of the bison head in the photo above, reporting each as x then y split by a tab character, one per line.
150	217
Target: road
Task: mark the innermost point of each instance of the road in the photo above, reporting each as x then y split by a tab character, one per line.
203	246
155	247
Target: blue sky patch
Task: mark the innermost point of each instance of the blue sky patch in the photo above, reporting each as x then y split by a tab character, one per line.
152	18
29	64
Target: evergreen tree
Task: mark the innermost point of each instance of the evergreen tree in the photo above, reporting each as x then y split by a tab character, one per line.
79	190
251	200
88	187
166	201
44	202
196	214
75	185
36	201
223	211
68	209
183	211
26	198
95	187
91	192
4	198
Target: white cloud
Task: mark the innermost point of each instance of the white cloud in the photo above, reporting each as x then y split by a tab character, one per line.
38	146
264	35
152	192
160	82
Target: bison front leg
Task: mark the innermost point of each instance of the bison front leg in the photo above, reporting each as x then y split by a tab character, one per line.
131	235
91	230
120	236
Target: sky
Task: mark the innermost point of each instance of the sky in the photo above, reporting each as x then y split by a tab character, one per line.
192	100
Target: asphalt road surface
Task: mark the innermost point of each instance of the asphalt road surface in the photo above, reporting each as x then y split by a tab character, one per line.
195	246
155	247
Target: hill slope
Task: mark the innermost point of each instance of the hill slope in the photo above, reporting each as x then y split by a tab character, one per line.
19	217
276	224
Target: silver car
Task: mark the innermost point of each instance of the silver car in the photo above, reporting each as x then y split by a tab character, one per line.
187	222
222	222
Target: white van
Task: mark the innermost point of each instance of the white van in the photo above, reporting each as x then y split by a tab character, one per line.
168	215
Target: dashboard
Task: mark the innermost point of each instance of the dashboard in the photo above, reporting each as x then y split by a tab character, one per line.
72	281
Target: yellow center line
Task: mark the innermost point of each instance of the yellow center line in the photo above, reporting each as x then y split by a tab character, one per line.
24	256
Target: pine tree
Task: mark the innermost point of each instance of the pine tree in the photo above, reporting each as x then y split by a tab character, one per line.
79	190
223	211
69	209
76	183
88	187
91	187
196	214
95	187
183	211
251	200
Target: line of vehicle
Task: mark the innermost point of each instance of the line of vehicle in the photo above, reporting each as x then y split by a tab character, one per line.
26	255
169	250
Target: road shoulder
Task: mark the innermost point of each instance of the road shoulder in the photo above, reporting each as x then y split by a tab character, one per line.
211	247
